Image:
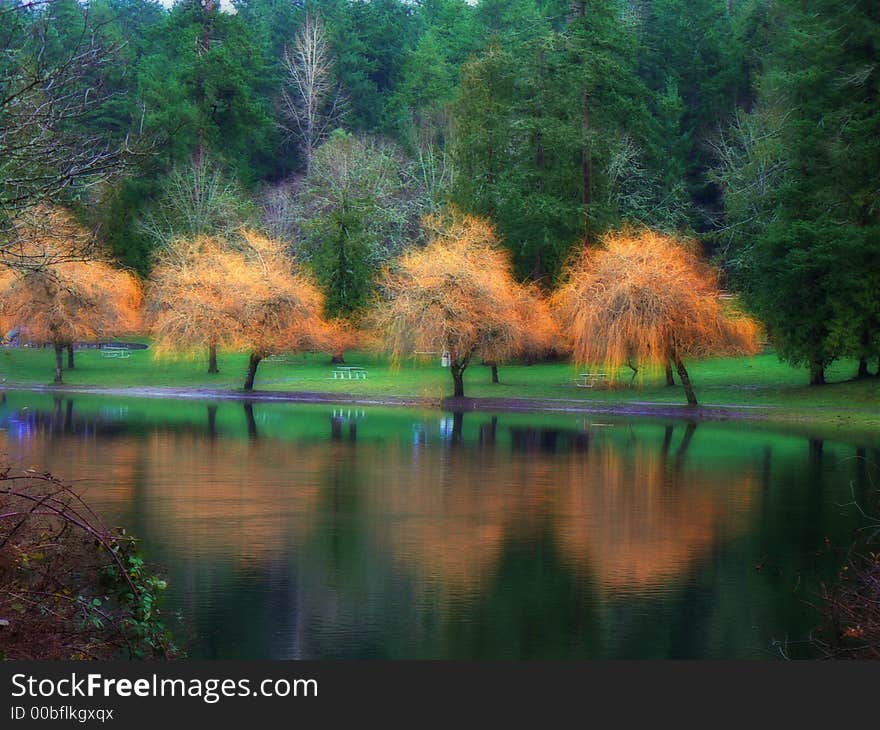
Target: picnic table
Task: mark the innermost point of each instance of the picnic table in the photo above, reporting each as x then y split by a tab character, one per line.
349	372
591	380
117	352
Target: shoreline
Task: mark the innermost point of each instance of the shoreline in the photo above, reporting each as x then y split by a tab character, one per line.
709	412
812	417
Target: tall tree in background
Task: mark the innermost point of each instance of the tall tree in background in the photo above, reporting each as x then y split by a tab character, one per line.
370	40
201	84
549	133
800	174
312	102
359	206
204	88
690	57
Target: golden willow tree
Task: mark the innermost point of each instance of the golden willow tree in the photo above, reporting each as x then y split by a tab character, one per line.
281	310
647	298
192	297
245	294
458	295
60	299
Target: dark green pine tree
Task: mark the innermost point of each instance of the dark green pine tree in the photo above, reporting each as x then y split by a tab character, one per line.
809	165
689	57
201	87
553	138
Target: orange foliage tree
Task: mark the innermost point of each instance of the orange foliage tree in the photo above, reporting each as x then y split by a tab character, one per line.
646	297
281	310
192	297
59	299
244	294
458	295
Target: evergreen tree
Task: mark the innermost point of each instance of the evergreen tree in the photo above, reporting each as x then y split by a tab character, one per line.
801	182
552	139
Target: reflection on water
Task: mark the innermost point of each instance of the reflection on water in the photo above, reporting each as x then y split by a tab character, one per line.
302	531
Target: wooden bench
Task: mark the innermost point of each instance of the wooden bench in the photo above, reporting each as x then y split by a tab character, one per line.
592	380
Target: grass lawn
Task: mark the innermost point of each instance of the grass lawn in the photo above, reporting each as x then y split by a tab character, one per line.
760	381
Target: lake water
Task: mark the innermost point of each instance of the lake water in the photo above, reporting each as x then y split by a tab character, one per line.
293	531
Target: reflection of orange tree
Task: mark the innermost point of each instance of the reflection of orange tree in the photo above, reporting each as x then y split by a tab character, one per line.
637	518
236	498
104	470
242	499
441	516
634	517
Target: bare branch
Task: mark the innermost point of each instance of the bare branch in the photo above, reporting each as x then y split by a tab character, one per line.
312	103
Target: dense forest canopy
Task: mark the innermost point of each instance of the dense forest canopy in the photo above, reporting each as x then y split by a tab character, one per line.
337	125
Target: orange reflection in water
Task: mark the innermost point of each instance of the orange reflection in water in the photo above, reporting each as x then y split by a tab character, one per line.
628	513
631	516
637	519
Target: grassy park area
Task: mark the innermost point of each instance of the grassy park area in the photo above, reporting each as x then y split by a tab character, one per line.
759	385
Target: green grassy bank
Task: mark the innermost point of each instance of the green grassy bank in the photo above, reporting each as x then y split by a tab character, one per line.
775	390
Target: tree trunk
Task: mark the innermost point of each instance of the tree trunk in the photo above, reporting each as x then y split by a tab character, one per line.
70	356
457	370
685	381
667	442
338	359
863	368
212	420
817	372
457	425
253	364
685	443
670	380
251	421
495	373
59	363
212	359
489	432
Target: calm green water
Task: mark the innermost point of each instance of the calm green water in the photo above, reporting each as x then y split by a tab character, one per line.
312	532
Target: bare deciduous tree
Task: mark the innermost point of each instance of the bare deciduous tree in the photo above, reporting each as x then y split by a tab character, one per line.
45	145
312	102
751	166
197	199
